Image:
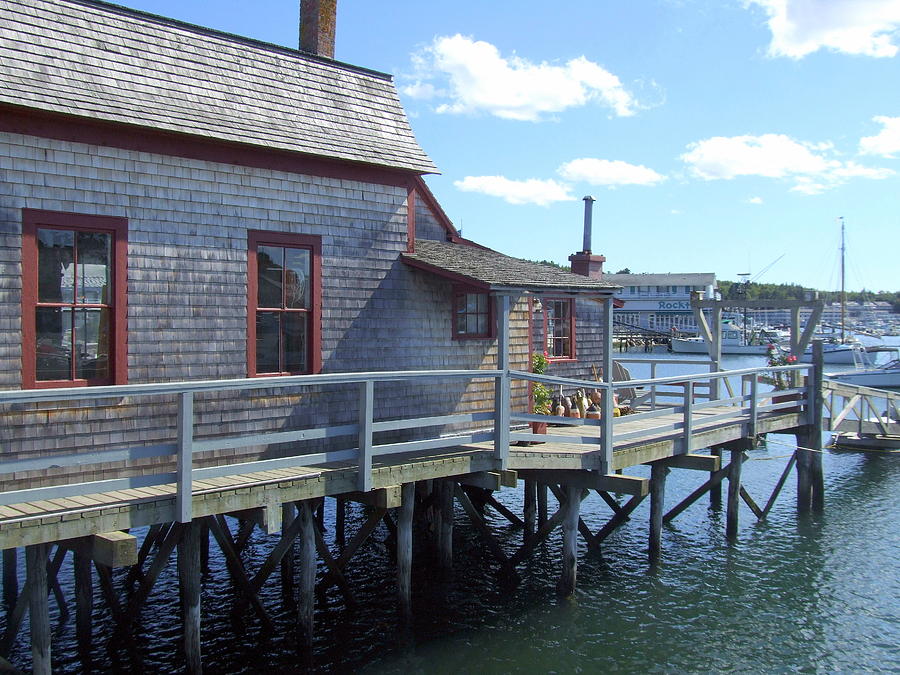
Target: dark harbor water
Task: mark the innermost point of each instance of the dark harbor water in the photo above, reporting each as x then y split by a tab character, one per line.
818	593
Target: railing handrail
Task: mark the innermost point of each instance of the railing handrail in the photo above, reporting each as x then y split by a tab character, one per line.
196	386
673	379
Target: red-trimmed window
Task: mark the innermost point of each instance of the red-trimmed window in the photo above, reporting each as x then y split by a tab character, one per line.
284	304
559	328
73	299
472	315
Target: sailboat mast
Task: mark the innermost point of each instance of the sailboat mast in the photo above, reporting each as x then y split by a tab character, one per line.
843	281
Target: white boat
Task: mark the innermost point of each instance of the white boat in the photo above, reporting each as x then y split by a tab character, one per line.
833	353
886	376
853	441
733	342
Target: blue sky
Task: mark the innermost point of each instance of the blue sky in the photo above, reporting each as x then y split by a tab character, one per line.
716	135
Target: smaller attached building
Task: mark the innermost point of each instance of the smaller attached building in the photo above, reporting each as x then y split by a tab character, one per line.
659	302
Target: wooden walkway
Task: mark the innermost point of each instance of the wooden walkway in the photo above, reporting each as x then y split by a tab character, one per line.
57	519
421	479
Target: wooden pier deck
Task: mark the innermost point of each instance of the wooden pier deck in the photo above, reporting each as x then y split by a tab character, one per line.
420	478
61	518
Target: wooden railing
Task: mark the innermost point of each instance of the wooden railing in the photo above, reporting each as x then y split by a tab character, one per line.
863	410
744	408
359	446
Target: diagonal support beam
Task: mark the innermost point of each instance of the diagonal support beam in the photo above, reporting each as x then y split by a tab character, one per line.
714	479
619	518
353	545
779	485
480	525
156	567
333	568
222	534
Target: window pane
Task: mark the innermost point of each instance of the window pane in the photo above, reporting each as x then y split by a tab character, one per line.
94	256
472	324
92	343
482	303
295	350
461	323
296	278
53	331
482	324
268	276
56	271
268	328
471	303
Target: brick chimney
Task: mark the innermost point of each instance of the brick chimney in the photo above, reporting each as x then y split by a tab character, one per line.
584	262
317	20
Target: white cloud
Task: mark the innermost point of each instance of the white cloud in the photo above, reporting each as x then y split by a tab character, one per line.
801	27
474	77
884	143
530	191
608	172
811	166
755	200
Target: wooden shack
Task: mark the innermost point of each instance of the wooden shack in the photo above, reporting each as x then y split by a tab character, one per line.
183	204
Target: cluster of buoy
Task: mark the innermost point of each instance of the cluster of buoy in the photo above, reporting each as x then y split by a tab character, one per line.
582	405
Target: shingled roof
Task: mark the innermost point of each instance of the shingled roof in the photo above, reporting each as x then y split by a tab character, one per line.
492	271
104	62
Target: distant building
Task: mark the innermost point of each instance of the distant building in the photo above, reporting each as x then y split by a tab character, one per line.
659	302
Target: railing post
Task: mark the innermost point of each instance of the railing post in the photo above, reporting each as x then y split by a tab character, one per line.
754	405
688	411
185	457
607	403
653	387
502	412
366	409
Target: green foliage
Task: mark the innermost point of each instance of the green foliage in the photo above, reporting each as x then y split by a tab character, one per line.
564	268
624	270
539	392
736	290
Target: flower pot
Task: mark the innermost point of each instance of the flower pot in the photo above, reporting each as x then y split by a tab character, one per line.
538	428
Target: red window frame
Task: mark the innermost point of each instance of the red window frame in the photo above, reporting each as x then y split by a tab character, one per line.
459	301
34	219
549	339
311	243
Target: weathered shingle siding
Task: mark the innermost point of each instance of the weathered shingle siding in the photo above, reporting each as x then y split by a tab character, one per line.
187	294
427	224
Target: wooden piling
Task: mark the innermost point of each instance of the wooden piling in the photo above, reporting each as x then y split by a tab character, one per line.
38	606
404	549
445	548
189	586
567	579
804	475
715	492
10	577
530	511
287	562
542	504
84	596
814	435
734	493
658	473
307	587
340	522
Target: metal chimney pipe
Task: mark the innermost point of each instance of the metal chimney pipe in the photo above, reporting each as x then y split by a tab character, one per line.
588	218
